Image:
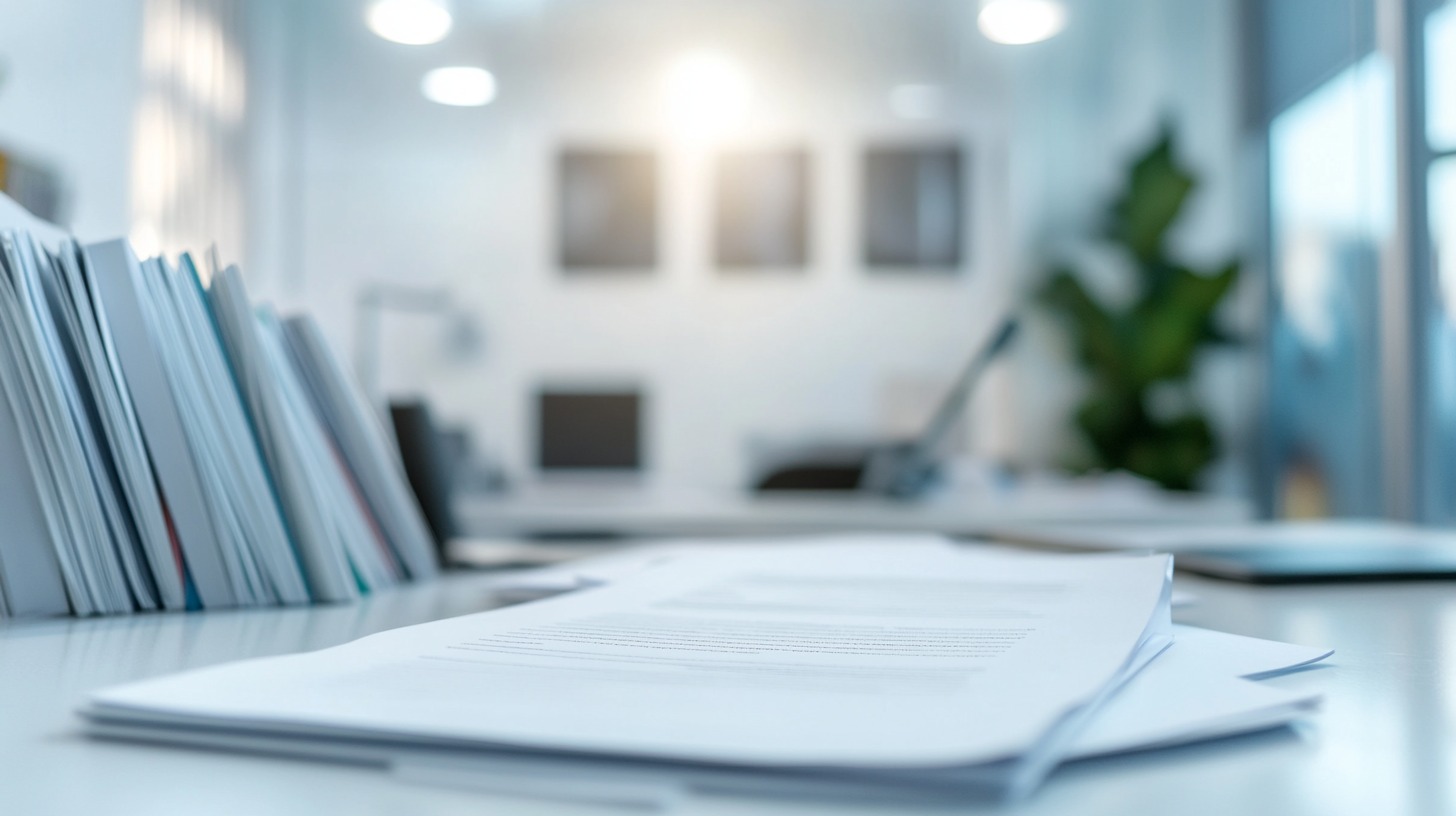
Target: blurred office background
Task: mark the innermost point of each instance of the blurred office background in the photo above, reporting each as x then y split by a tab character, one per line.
736	223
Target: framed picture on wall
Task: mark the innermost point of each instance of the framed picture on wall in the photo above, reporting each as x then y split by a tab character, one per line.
607	210
761	210
913	208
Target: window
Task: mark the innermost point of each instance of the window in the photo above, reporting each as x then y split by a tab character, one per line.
1437	168
1331	142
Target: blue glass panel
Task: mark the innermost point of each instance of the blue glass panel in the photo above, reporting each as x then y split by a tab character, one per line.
1308	41
1332	204
1441	77
1441	378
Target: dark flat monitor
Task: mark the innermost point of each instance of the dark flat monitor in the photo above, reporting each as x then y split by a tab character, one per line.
589	431
428	466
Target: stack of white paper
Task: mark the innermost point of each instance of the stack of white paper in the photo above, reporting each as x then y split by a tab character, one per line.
908	669
163	453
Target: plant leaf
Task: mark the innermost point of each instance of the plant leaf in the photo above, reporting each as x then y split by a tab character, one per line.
1127	351
1094	329
1174	324
1157	188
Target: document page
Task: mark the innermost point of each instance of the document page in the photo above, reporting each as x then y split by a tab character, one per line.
1197	689
865	657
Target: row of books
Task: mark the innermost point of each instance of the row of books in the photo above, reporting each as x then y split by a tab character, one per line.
167	444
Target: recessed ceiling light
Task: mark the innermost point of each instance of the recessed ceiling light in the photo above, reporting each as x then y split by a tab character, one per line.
461	85
411	22
1021	22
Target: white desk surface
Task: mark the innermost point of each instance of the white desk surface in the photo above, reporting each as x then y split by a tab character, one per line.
653	511
1384	744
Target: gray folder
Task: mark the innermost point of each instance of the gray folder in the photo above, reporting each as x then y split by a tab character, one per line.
115	270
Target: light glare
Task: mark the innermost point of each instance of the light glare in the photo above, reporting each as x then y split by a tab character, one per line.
411	22
462	86
707	95
146	242
1021	22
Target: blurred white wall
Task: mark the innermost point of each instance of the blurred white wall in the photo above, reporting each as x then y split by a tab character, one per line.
71	80
354	178
390	187
139	105
396	188
189	165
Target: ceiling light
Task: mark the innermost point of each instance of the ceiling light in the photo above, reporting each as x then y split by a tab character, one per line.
707	94
412	22
1021	22
463	86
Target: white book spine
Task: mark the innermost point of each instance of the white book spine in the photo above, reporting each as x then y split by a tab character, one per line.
122	432
73	364
32	374
30	569
251	490
360	435
239	565
119	287
326	562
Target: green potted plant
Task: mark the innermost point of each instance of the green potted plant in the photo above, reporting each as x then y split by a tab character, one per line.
1139	413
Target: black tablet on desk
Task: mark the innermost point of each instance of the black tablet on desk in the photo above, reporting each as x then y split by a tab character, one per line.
1306	564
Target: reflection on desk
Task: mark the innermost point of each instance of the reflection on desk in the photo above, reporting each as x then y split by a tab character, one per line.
561	511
